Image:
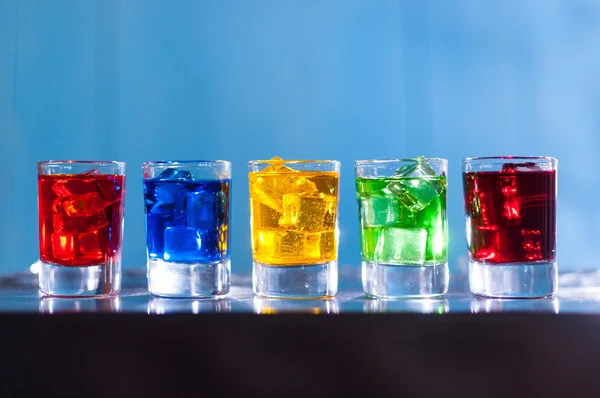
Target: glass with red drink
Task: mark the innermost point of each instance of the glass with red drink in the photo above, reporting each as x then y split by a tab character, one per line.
510	207
80	207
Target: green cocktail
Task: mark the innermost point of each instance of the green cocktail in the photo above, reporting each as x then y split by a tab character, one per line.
402	209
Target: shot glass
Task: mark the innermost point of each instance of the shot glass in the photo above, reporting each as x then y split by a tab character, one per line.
80	207
510	207
187	227
294	212
403	227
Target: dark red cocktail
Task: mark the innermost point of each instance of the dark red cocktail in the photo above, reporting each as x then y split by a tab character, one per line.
511	214
81	218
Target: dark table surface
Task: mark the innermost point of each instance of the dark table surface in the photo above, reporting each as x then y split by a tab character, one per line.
468	347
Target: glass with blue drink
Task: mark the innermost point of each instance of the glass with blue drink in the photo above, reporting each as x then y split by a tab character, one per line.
187	227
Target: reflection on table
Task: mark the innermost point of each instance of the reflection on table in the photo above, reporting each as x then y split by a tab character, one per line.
422	306
489	305
268	306
162	305
56	305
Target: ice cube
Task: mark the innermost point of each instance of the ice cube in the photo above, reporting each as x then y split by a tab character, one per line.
308	212
486	242
276	166
417	185
91	245
416	193
417	169
401	246
83	205
156	223
184	244
265	217
269	188
109	190
385	210
172	174
63	246
327	245
170	198
60	189
93	171
520	167
484	203
511	211
278	244
88	246
62	222
71	187
532	244
167	192
202	210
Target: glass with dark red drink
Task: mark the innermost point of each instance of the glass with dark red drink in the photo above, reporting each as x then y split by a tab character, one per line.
80	206
510	206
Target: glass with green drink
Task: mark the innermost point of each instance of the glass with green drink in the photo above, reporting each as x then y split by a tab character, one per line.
403	226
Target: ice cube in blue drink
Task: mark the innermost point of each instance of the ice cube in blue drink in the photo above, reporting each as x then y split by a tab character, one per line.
183	244
173	174
202	208
156	223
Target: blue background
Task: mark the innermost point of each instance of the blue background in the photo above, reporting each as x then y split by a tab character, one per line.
240	80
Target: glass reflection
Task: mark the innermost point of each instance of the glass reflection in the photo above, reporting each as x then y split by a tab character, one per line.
268	306
162	305
59	305
489	305
421	306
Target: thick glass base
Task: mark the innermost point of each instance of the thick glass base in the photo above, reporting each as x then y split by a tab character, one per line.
404	281
513	280
169	279
295	281
90	281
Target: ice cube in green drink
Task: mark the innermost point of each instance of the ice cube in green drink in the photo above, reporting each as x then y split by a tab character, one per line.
416	185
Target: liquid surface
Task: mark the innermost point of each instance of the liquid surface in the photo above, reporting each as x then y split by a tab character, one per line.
403	219
293	216
80	218
511	215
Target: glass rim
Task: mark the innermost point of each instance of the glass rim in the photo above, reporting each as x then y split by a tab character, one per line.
367	162
175	163
293	161
96	162
490	158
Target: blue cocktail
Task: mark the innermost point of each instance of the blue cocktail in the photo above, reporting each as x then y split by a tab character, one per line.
187	227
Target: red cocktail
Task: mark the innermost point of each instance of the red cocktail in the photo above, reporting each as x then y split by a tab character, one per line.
510	205
81	223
